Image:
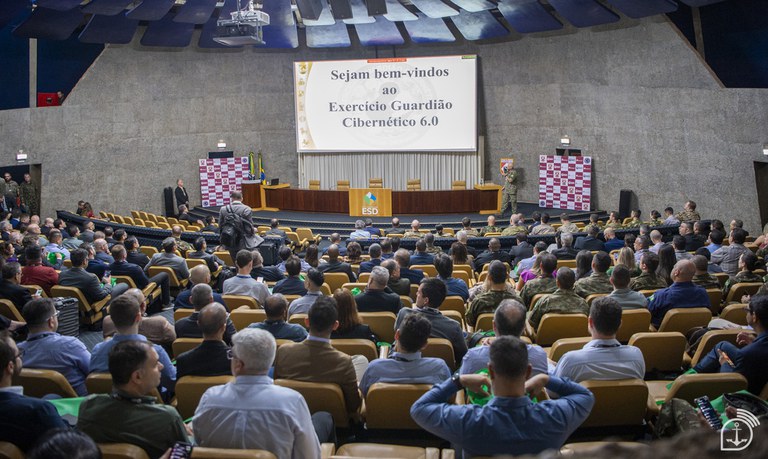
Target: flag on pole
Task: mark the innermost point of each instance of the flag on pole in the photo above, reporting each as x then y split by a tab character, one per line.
262	175
251	167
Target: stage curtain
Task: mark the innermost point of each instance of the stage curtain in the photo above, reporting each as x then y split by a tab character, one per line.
435	169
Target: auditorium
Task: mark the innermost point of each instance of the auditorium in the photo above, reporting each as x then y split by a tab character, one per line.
383	228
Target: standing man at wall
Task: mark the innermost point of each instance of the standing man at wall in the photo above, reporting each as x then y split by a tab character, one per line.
509	195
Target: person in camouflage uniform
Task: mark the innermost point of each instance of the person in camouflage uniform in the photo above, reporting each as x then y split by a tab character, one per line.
544	227
567	226
564	300
747	264
702	278
656	219
648	280
544	283
593	222
10	191
28	193
509	193
635	222
613	221
466	224
490	227
515	226
429	238
183	246
414	232
598	281
490	299
689	213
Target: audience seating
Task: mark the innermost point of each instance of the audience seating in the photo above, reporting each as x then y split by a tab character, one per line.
662	351
463	275
244	316
182	345
414	291
382	324
121	451
556	326
314	184
589	299
101	383
691	386
387	406
39	383
484	322
566	263
743	288
735	313
722	278
33	288
376	450
89	313
715	299
221	453
182	313
225	257
176	283
407	301
8	309
454	303
298	319
633	321
683	319
151	291
455	315
350	346
440	348
336	280
364	277
190	389
563	345
536	299
10	451
235	301
321	397
617	403
429	270
466	268
148	250
708	342
305	234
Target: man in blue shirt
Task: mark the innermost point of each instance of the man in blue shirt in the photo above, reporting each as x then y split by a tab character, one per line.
454	286
510	423
683	293
420	255
126	315
47	350
748	360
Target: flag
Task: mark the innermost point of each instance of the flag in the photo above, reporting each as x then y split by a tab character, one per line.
262	175
251	167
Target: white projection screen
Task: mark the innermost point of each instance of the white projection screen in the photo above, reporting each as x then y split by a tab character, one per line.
387	105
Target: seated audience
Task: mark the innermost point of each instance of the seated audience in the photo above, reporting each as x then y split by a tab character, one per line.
335	238
243	284
274	229
291	285
598	281
626	297
169	258
414	232
727	257
210	357
375	298
350	324
188	327
454	286
197	275
334	265
566	225
54	246
210	225
678	242
521	250
396	284
395	229
93	288
611	241
544	282
200	253
527	263
420	255
101	249
590	241
603	358
544	227
516	227
566	252
359	232
375	252
276	309
703	278
121	267
134	255
371	229
313	282
267	273
491	297
692	241
715	240
10	288
35	272
656	240
494	252
403	258
564	300
681	294
747	266
156	328
433	249
354	254
648	279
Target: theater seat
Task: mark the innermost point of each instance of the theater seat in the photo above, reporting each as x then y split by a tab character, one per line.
244	316
376	450
683	319
382	324
388	406
235	301
8	310
182	345
121	451
556	326
190	389
708	342
484	322
743	288
353	346
440	348
39	383
10	451
735	313
691	386
336	280
617	403
662	351
182	313
563	345
321	397
89	313
176	283
633	321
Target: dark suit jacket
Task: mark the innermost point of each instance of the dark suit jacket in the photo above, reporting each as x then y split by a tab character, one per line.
613	244
188	328
250	240
400	286
87	236
207	359
290	286
137	258
393	230
182	299
105	258
360	331
123	268
378	301
269	273
692	242
24	419
488	256
97	267
318	361
181	196
87	282
367	266
211	260
338	267
413	275
520	252
588	243
565	253
18	295
422	258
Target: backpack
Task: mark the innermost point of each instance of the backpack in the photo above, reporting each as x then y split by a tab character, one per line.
229	229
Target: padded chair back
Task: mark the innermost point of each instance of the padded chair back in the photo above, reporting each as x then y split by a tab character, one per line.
633	321
298	319
353	346
561	346
235	301
360	450
8	309
662	351
414	291
148	250
377	182
454	303
741	289
715	299
429	270
556	326
620	402
388	406
182	313
381	323
683	319
192	262
536	299
463	275
101	383
89	313
321	397
722	278
10	451
413	185
484	322
455	315
691	386
336	280
121	451
440	348
590	298
221	453
407	301
225	257
124	280
174	281
33	288
244	316
182	345
566	263
459	185
342	184
735	313
710	339
364	277
314	184
305	234
190	389
39	383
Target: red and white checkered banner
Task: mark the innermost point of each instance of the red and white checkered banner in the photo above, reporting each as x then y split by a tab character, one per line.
565	182
219	177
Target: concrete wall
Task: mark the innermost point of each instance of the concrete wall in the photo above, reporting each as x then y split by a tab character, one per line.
636	98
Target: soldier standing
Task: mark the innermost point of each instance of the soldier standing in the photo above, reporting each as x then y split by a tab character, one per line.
509	197
28	193
10	191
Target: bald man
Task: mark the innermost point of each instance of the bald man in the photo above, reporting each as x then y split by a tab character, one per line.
335	265
414	232
683	293
494	252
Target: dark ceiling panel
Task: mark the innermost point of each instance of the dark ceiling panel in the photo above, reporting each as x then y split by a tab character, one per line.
584	13
434	8
331	36
150	10
109	29
165	32
106	7
195	11
9	9
281	31
528	16
428	30
473	6
479	26
59	5
380	33
49	24
636	10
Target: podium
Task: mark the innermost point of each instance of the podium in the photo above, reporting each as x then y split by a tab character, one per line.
370	202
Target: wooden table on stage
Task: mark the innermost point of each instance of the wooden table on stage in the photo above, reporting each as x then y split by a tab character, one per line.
485	199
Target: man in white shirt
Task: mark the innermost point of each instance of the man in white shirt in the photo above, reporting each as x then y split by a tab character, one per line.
253	413
603	358
243	283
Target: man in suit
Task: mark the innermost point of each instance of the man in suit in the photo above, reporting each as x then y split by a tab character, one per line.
134	255
462	237
372	229
335	238
23	420
420	255
395	229
189	327
403	258
246	238
197	275
169	258
494	252
396	284
155	328
268	273
93	289
274	229
88	234
566	252
200	253
375	298
182	198
10	288
375	252
292	285
210	357
522	250
336	266
101	249
122	268
590	241
315	360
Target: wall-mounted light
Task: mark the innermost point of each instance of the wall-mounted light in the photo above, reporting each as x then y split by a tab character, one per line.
21	156
222	144
565	141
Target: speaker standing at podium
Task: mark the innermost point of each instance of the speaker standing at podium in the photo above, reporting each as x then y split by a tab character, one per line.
509	197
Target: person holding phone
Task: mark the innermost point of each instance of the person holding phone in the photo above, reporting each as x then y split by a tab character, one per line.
749	356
